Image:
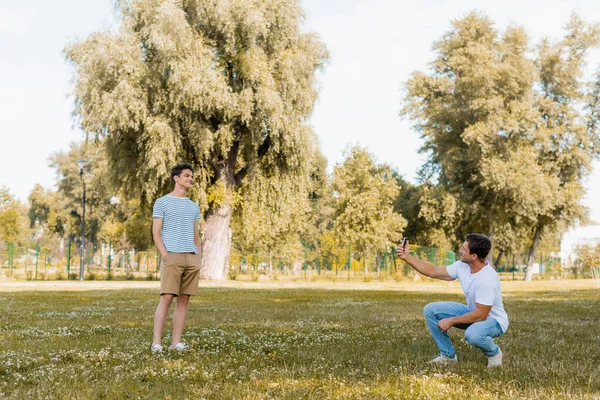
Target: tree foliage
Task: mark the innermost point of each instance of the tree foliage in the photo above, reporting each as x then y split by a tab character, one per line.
224	85
364	193
505	131
13	219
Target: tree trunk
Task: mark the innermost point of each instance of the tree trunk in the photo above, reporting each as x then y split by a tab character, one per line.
365	265
296	266
497	262
215	243
531	254
490	256
61	247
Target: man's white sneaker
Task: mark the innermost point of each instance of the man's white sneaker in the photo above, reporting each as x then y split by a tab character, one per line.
179	347
441	359
495	361
157	348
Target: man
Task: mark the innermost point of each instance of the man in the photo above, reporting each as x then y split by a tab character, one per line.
483	318
175	232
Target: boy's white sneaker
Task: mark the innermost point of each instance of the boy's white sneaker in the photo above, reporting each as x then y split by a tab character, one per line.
495	361
156	348
179	347
442	359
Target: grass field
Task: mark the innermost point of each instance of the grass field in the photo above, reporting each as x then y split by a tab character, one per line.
292	343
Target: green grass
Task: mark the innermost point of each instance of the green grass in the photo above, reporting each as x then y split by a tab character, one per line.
291	344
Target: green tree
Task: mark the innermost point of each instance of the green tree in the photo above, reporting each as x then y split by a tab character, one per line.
127	224
567	127
430	213
500	142
224	85
587	257
364	194
138	225
46	210
13	219
319	218
272	211
99	191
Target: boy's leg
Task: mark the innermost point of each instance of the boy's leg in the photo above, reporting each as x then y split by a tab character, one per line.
435	312
170	278
189	287
181	309
480	335
160	317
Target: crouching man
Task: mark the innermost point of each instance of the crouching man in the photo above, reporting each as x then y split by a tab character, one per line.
483	317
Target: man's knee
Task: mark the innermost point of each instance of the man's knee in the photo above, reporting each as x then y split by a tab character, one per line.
473	336
431	309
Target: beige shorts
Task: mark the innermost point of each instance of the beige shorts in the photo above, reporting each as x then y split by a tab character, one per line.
180	273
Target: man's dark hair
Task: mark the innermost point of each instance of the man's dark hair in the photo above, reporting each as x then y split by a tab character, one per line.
178	169
479	244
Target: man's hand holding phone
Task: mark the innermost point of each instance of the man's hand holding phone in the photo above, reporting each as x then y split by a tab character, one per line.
402	252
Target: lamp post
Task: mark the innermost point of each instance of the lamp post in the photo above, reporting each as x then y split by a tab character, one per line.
82	164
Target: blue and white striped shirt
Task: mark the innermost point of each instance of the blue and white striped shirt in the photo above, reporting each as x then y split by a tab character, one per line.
179	214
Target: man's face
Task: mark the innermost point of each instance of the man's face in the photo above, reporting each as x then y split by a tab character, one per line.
465	254
185	179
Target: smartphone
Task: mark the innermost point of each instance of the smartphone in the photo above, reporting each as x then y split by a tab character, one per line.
404	240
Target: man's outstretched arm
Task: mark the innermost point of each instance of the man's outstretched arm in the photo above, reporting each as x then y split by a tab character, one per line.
423	267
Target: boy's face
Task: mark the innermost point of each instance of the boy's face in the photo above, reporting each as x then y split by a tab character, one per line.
185	179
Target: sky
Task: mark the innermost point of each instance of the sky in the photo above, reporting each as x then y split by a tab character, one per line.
374	47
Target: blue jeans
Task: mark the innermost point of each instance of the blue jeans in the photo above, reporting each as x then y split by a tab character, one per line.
478	334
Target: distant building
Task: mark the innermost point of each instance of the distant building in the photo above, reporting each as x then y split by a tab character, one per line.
581	235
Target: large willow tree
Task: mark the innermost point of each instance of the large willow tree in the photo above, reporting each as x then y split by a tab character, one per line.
225	85
510	130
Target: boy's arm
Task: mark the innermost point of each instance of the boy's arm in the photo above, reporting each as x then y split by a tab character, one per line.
197	240
156	235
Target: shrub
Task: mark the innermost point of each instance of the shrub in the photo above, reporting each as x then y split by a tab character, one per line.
90	276
232	274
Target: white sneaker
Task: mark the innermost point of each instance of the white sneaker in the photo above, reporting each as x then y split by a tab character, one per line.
441	359
180	347
156	348
495	361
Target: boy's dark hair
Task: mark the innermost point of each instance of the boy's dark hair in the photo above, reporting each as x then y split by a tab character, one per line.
178	169
479	244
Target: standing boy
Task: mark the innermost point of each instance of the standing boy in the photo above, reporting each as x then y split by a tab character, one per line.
175	232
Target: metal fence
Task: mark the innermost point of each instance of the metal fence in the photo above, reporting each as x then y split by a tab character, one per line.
39	263
383	264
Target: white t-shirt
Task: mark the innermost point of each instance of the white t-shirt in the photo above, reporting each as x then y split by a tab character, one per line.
482	287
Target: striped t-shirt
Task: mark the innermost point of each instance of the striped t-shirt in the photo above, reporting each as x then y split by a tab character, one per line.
179	214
